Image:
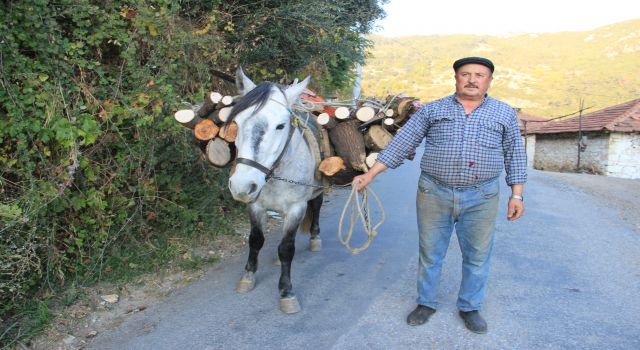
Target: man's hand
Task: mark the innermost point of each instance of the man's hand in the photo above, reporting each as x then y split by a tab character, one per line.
365	179
515	208
362	181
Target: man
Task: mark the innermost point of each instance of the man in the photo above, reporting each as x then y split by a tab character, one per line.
469	138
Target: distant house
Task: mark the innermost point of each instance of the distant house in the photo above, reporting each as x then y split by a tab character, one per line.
610	142
528	125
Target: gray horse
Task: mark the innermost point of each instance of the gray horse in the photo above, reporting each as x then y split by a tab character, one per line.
275	170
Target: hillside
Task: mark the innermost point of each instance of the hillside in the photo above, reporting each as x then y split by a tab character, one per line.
544	74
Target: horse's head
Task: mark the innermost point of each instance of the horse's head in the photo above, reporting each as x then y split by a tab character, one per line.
263	115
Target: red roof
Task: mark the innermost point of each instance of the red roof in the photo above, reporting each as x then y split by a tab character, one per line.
624	117
533	122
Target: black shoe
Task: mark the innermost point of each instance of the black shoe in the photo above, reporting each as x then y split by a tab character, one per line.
474	322
420	315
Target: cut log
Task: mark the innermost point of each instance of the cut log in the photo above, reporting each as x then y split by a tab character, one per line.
219	152
365	113
227	100
349	144
325	144
326	120
187	118
209	105
342	112
389	112
388	121
229	132
223	114
215	97
205	130
330	166
377	138
371	159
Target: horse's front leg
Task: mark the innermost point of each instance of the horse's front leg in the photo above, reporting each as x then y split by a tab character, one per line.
257	217
315	243
286	250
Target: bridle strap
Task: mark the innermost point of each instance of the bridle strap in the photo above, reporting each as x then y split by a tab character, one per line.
268	172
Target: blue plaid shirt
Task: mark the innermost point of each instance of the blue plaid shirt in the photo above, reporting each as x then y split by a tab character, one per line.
462	150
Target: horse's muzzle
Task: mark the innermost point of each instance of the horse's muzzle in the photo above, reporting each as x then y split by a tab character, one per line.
245	192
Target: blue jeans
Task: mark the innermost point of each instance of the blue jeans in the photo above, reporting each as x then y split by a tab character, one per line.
472	211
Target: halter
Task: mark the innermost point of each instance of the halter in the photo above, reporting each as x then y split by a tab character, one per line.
269	171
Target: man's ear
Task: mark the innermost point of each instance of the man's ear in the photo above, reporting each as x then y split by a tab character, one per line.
293	92
243	83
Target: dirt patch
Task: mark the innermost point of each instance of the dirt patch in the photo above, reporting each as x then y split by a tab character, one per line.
96	312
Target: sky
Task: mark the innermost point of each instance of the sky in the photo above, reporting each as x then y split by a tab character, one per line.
502	17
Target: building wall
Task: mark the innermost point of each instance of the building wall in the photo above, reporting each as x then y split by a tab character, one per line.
559	152
624	155
530	145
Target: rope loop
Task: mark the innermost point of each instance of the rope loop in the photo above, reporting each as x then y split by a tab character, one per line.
363	210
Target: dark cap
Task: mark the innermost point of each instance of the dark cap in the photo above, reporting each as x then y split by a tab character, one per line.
478	60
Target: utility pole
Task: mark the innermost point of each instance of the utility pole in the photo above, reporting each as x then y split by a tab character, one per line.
580	133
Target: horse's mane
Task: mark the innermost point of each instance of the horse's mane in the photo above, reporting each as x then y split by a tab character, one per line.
258	96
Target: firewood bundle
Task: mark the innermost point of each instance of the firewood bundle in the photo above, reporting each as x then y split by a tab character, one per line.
353	137
213	135
350	137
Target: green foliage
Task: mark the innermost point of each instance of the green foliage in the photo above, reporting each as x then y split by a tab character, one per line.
97	181
544	74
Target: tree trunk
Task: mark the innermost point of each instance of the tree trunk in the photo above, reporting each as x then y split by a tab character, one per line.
349	144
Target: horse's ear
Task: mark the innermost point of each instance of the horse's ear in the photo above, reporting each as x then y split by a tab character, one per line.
294	91
243	83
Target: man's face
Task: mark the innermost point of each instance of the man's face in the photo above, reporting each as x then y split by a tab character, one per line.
473	81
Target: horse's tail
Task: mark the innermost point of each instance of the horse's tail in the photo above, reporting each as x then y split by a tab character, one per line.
305	225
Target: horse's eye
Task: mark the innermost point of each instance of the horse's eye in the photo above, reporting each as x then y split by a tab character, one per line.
280	126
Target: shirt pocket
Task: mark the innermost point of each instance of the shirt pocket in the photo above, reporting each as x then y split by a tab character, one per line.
490	134
441	130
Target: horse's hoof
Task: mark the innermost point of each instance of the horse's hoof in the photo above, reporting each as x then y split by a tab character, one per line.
289	305
246	283
315	244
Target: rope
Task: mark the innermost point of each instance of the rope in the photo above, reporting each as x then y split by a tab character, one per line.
363	213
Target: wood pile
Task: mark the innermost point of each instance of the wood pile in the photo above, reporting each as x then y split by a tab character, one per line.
350	137
356	135
213	135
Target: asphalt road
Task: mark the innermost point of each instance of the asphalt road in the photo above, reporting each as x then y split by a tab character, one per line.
565	276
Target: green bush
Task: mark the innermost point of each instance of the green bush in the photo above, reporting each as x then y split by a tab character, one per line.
96	178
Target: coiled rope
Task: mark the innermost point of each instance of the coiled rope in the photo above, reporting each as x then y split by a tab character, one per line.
364	213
